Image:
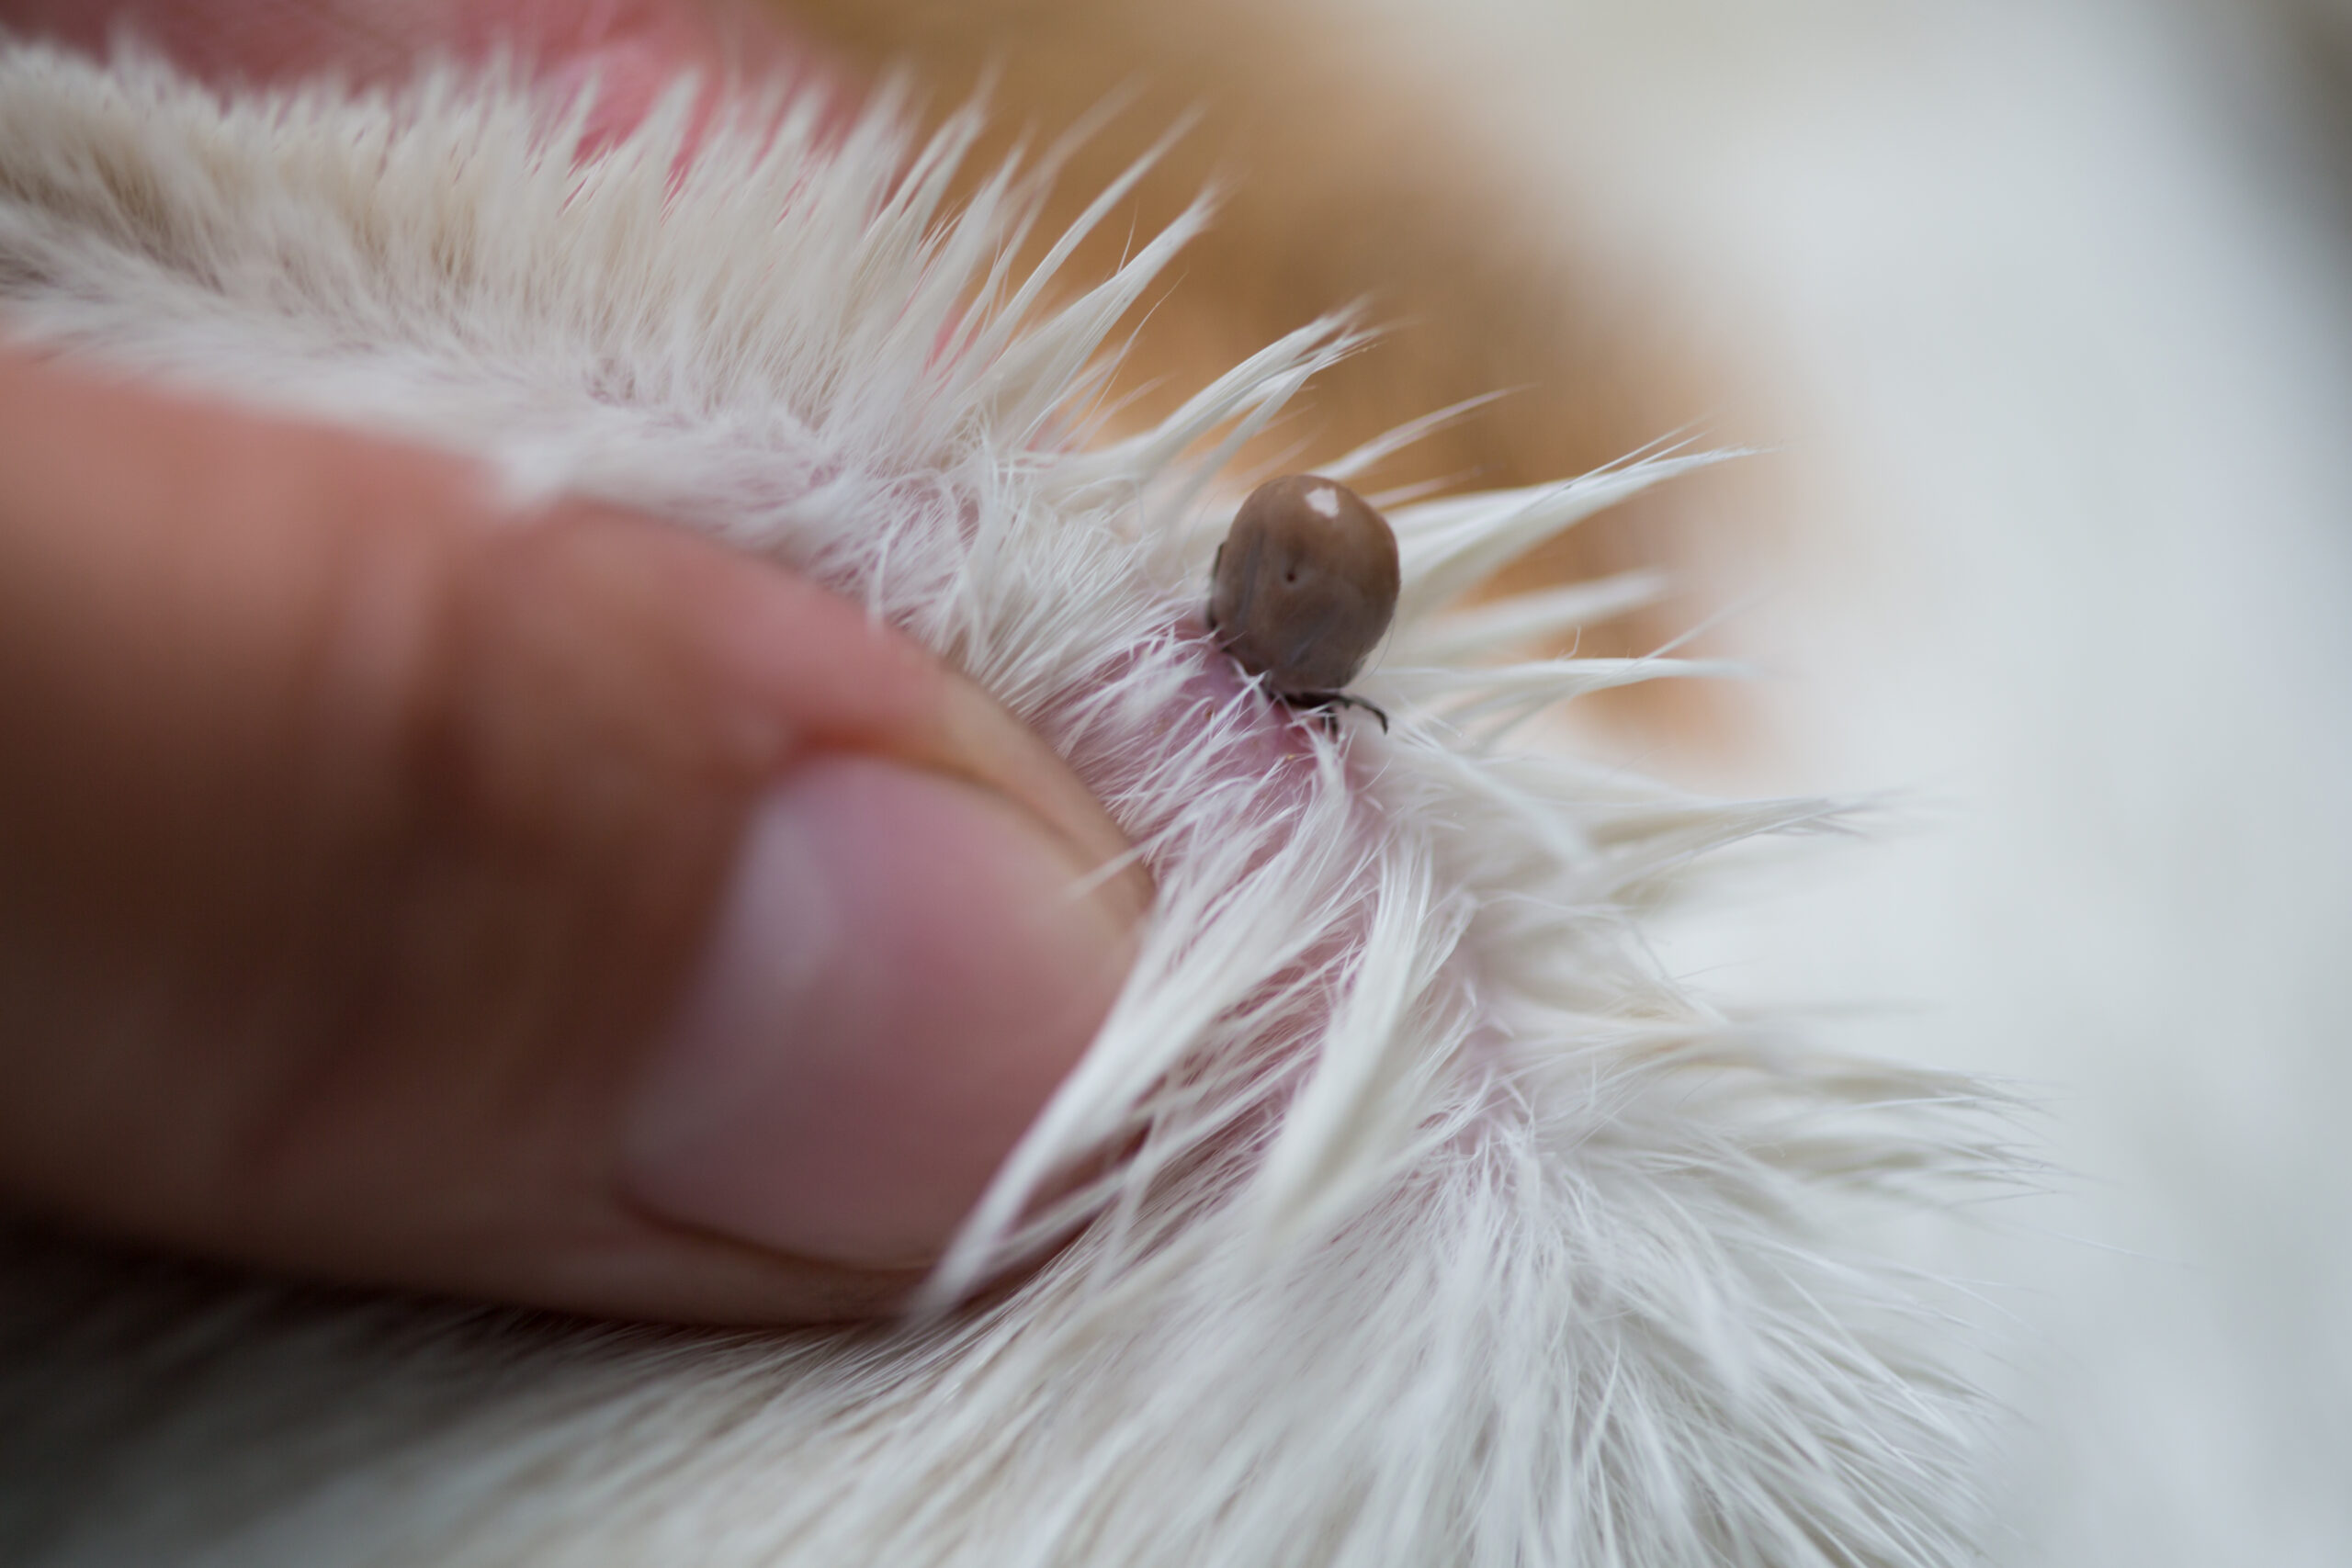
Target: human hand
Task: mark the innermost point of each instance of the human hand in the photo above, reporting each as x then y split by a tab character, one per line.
559	909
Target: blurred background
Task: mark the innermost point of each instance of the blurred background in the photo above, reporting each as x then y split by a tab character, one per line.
2041	314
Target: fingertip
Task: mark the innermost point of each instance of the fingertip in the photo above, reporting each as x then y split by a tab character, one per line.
907	968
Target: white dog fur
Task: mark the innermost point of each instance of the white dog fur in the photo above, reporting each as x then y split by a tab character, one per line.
1450	1229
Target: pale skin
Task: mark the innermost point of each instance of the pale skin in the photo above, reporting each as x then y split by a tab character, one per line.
557	909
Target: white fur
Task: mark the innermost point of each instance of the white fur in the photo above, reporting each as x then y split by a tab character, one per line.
1452	1232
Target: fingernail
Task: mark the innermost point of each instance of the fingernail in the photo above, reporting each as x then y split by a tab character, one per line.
906	966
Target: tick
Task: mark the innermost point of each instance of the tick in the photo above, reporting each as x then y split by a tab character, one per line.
1303	590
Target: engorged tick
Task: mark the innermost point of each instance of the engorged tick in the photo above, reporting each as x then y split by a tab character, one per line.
1303	588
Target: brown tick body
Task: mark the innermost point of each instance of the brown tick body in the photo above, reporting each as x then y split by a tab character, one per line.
1304	588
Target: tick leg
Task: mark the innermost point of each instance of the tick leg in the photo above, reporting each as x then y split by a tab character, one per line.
1325	701
1343	700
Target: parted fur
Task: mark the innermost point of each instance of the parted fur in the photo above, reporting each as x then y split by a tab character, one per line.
1444	1226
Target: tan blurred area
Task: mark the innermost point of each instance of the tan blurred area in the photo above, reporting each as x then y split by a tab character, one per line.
1343	179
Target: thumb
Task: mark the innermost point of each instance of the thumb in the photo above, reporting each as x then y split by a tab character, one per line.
561	909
